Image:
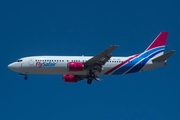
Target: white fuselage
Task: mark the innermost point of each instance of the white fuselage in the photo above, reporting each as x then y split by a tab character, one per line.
58	65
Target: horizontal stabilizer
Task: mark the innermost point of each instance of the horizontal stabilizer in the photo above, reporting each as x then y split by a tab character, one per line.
164	57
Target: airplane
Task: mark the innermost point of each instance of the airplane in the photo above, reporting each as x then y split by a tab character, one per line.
76	68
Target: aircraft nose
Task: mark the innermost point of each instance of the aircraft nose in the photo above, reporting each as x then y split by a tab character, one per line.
11	66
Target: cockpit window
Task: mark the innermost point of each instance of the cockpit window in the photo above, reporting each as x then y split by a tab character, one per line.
18	60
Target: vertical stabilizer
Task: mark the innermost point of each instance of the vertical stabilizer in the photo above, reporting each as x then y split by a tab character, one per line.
157	47
159	41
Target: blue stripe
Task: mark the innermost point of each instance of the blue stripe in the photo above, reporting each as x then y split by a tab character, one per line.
151	51
151	56
126	67
139	66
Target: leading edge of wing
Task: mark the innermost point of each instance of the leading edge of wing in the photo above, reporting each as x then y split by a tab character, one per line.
99	56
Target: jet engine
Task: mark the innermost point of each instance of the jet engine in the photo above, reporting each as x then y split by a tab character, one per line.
70	78
75	66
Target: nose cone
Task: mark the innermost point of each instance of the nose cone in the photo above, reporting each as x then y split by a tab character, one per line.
14	66
10	66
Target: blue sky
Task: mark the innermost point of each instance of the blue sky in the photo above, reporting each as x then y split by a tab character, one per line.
86	28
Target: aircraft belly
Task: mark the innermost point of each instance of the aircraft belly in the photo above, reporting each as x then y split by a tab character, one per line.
107	67
52	70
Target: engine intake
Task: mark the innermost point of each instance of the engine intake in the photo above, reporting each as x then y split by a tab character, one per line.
75	66
70	78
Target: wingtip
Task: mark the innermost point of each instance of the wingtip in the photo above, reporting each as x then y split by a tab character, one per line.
114	45
172	51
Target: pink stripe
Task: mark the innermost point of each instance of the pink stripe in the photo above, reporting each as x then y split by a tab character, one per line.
160	40
121	64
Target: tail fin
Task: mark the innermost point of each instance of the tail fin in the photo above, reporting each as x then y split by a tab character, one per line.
159	41
157	47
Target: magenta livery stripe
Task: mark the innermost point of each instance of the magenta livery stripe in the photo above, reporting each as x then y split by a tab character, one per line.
121	64
160	40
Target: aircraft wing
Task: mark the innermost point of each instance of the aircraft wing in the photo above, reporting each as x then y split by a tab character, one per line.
101	58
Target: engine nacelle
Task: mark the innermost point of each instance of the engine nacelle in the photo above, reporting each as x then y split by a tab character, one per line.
70	78
75	66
